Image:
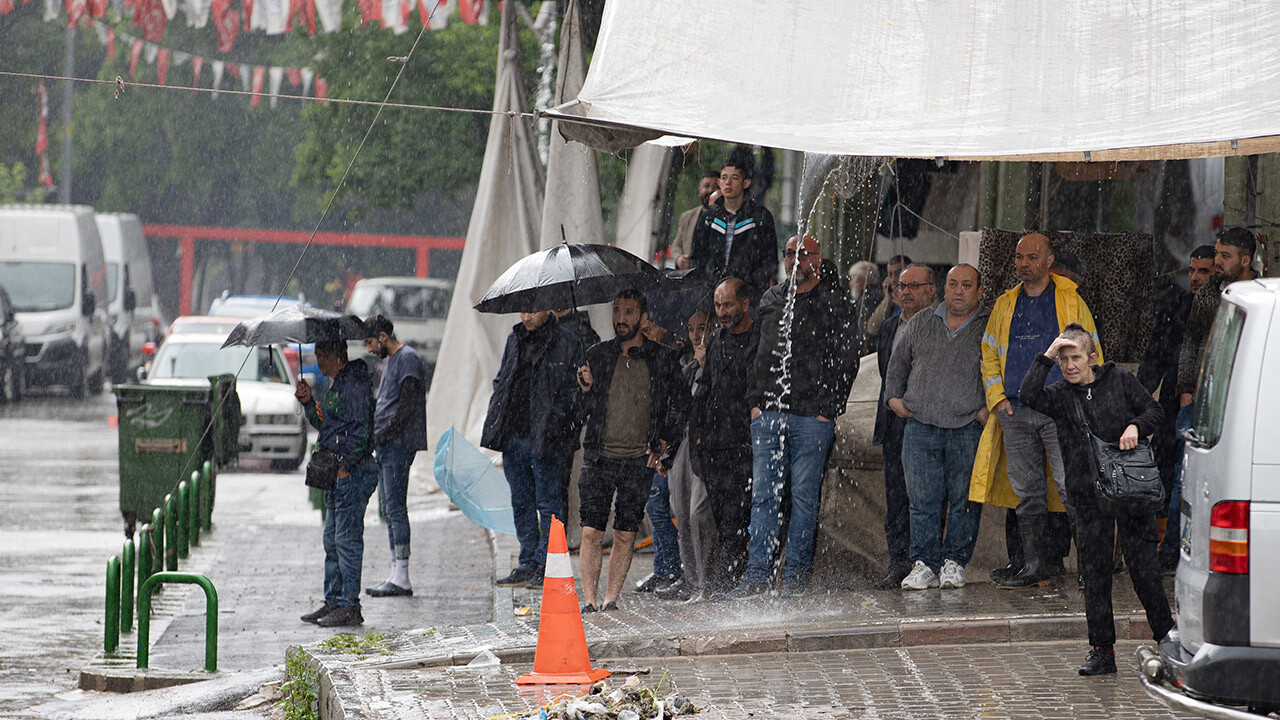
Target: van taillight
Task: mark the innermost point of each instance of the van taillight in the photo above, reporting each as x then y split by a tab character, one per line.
1229	538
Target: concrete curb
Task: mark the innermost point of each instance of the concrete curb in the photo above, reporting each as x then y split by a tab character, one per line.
337	693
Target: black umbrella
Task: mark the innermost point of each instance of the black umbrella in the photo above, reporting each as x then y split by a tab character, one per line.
296	324
566	276
681	294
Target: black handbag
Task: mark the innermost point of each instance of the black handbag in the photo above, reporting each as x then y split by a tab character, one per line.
1128	481
322	469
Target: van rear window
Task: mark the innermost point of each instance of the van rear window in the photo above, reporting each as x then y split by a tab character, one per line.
1215	373
39	286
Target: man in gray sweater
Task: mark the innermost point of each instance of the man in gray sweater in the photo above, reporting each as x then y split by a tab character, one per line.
935	382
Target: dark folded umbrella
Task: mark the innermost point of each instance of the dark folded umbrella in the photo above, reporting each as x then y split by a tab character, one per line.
566	276
296	324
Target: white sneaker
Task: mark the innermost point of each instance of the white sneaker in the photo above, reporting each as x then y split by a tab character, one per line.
920	578
952	575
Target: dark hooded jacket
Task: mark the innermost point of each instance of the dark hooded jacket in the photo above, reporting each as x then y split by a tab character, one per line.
668	392
753	257
721	416
823	361
1112	402
344	415
554	355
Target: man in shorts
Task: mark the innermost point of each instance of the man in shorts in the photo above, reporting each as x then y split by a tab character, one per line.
633	402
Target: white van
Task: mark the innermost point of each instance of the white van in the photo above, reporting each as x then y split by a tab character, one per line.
416	306
132	309
1226	648
51	265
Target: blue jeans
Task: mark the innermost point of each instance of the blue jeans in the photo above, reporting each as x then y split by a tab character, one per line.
938	462
1169	547
344	534
537	493
393	494
666	544
784	448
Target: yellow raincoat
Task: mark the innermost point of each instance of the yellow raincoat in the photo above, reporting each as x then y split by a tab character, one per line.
989	483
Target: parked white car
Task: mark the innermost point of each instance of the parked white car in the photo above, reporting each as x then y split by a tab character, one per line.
273	426
1226	648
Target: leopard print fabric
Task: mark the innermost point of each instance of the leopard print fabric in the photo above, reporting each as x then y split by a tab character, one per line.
1118	284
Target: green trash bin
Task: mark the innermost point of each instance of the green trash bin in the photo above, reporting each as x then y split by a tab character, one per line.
161	440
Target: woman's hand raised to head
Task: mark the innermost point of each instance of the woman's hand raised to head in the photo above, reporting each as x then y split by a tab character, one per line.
1058	344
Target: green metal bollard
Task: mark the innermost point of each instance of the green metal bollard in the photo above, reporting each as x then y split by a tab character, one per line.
157	541
111	626
193	510
181	522
210	481
210	615
170	535
128	556
144	556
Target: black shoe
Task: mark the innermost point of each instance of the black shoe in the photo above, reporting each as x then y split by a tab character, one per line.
893	579
651	583
342	617
609	606
1101	661
519	576
999	575
535	582
388	589
313	617
588	608
668	581
747	589
675	590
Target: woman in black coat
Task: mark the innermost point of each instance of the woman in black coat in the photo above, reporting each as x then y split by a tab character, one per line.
1118	409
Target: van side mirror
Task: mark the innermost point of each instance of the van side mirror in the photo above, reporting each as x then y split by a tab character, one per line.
130	300
89	305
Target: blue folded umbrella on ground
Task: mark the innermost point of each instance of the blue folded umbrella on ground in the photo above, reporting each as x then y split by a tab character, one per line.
473	483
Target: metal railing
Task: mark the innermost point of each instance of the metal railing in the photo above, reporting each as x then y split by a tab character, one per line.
210	615
174	529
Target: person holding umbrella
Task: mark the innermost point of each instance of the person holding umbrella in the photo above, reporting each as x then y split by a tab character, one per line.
344	417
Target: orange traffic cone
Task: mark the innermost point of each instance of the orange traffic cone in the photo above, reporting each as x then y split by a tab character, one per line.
561	657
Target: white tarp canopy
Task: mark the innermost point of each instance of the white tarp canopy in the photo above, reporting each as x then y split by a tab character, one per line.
964	79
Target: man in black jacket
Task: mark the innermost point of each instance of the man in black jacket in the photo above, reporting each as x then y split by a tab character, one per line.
804	368
720	426
634	403
915	289
531	422
735	236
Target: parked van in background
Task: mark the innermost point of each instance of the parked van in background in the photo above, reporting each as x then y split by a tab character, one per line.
417	307
1226	648
51	265
132	308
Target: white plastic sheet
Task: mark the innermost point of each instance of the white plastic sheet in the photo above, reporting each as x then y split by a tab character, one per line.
944	78
504	227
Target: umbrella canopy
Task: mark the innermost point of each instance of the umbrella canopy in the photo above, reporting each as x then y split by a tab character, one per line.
565	276
681	294
473	483
296	324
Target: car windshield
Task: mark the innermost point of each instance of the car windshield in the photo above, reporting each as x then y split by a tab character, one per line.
201	359
113	277
39	286
400	301
248	307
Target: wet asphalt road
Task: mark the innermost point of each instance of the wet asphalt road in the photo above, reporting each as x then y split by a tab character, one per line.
59	522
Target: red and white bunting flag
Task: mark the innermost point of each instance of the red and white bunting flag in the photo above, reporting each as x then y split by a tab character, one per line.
329	13
322	90
6	7
76	9
246	79
440	13
150	52
276	14
302	11
42	136
51	9
162	65
217	66
97	8
470	10
294	75
170	8
259	75
275	77
134	54
391	16
111	44
307	75
370	11
226	25
247	7
154	20
197	64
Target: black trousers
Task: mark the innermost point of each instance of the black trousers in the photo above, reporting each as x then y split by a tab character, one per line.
1096	535
897	505
727	476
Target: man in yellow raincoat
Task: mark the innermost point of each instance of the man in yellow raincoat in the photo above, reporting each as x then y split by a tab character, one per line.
1010	467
